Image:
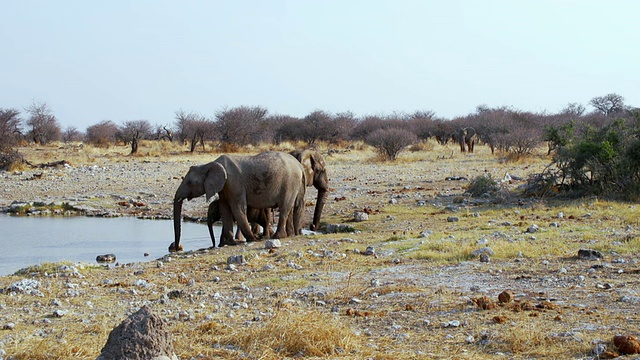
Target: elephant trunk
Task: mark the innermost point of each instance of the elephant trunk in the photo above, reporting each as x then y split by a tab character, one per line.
177	219
321	200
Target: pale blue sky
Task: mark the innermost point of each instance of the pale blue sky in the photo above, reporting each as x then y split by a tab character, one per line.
130	60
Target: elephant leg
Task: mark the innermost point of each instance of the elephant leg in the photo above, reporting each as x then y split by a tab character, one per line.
298	212
239	213
239	235
256	219
281	231
210	226
226	237
266	218
290	228
213	215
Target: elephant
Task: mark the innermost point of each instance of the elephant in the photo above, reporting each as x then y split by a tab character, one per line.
260	217
267	180
466	137
316	175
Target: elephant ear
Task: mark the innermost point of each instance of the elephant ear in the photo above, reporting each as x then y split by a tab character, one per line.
308	165
215	178
317	162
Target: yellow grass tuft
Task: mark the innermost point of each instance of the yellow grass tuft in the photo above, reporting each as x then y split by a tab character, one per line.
295	333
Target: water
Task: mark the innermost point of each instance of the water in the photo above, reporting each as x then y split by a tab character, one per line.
27	241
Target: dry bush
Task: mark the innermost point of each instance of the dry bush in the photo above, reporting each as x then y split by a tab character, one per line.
295	333
12	161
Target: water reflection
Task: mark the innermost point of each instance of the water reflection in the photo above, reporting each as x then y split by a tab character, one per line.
29	241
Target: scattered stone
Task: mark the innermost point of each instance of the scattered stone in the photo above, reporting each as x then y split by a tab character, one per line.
630	299
141	336
453	219
470	339
533	229
360	216
175	294
236	259
107	258
272	244
599	349
627	345
589	254
506	296
59	313
8	326
485	250
453	323
27	286
426	233
370	251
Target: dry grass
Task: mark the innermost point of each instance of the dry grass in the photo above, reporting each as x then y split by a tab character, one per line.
341	304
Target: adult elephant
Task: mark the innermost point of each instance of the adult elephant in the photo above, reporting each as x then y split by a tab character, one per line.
466	137
267	180
316	175
260	217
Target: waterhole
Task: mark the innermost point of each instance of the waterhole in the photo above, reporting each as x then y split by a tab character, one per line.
31	240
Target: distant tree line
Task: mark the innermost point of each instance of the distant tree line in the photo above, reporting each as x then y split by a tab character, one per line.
502	129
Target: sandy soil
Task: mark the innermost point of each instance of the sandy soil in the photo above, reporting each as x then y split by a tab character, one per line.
592	300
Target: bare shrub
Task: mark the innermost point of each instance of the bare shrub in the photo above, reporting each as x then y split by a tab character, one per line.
43	125
11	160
390	142
102	134
133	131
194	128
9	129
71	134
241	125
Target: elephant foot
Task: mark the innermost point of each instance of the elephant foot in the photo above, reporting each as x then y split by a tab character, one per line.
172	247
228	241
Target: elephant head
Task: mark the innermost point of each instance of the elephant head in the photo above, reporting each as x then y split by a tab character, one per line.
206	179
316	175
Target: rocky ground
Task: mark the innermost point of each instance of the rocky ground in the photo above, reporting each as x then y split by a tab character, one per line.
389	280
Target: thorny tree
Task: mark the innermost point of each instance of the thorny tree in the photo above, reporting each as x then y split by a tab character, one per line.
43	125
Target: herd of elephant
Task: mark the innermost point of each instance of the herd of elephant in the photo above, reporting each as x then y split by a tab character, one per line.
249	187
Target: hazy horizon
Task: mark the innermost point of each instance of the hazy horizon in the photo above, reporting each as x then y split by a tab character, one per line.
124	61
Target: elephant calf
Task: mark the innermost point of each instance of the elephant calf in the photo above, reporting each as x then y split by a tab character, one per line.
260	217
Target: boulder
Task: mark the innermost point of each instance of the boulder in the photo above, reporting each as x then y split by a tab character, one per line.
141	336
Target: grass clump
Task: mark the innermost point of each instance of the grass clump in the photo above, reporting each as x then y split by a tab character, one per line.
295	333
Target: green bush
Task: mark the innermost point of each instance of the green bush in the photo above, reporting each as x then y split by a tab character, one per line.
483	184
602	161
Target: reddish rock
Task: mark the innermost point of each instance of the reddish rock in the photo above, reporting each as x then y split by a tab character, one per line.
627	344
506	296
